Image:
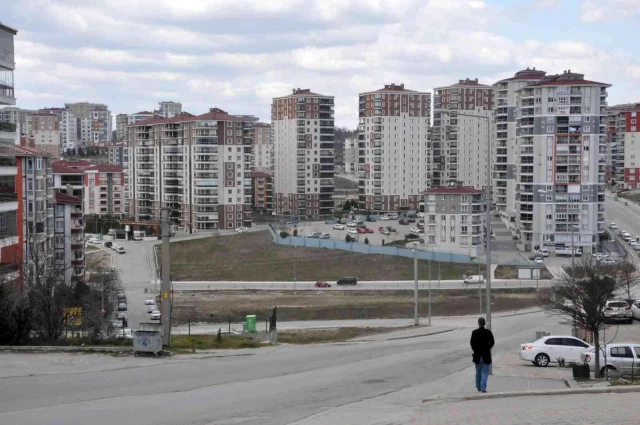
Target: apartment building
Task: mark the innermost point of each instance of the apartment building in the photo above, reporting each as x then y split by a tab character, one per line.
618	132
627	140
262	191
122	121
505	123
350	155
104	190
68	179
68	131
455	218
44	128
304	170
118	154
10	249
168	109
460	142
262	147
34	186
93	122
393	148
560	137
68	242
198	166
17	116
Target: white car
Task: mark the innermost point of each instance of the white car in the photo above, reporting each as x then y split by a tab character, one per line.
618	311
384	218
613	226
338	227
544	252
149	301
608	260
241	229
635	309
393	216
124	333
623	357
120	250
115	247
474	279
155	315
94	241
538	260
352	231
414	230
352	224
549	349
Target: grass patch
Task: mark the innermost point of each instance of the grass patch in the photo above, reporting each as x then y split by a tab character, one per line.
315	336
210	342
77	342
90	248
254	257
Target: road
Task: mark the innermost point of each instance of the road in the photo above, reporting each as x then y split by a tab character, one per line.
270	386
361	286
626	217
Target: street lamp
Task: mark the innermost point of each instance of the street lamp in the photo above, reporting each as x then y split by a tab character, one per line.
488	207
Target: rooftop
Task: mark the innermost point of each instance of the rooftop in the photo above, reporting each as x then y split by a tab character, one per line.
527	74
30	151
568	78
393	88
214	114
260	174
63	198
467	82
302	92
103	168
79	164
456	190
8	29
59	168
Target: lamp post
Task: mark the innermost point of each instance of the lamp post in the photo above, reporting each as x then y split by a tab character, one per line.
488	207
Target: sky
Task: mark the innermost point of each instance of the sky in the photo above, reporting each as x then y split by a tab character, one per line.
238	54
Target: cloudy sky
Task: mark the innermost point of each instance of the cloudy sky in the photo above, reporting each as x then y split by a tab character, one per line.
238	54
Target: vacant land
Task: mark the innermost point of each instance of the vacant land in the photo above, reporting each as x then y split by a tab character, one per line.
222	306
314	336
254	257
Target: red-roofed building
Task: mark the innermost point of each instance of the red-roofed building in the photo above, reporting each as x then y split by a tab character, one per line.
455	219
104	190
68	177
69	244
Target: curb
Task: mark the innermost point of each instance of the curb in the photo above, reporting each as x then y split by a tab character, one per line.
67	349
608	390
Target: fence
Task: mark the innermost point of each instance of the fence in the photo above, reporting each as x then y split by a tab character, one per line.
368	249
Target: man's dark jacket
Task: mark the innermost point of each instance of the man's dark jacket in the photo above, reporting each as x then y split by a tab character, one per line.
481	344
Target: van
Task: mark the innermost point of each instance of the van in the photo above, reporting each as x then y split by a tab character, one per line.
478	278
347	281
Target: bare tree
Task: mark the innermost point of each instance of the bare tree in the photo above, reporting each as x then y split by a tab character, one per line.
15	314
580	296
629	277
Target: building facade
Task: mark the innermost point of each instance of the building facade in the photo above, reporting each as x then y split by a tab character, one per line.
561	142
69	243
628	140
169	109
10	248
455	219
393	148
68	179
619	132
68	131
350	155
198	166
45	131
461	143
104	190
262	191
262	147
93	122
118	154
303	143
16	116
122	121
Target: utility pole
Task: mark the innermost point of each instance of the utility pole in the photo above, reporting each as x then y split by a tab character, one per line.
415	289
429	289
165	289
295	261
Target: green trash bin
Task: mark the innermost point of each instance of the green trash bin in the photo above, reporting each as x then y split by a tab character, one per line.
250	324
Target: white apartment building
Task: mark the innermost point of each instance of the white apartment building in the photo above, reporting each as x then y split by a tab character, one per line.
461	142
198	166
393	148
104	190
262	139
169	109
304	167
93	122
560	137
505	123
68	130
350	155
455	219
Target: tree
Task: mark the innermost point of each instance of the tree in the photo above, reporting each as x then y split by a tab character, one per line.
580	296
15	315
347	205
628	276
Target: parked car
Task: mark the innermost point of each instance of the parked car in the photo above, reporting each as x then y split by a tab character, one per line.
149	301
621	232
151	308
115	247
538	260
120	250
123	333
367	230
338	227
122	306
371	219
613	226
608	260
314	235
415	230
155	315
361	230
322	284
325	236
403	221
548	349
241	229
411	220
622	356
384	231
635	309
544	252
420	215
343	221
618	311
352	224
94	241
473	279
384	218
108	244
348	281
411	237
121	315
393	216
391	229
352	231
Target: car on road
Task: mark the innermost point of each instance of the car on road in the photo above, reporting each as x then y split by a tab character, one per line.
621	356
347	281
149	301
543	252
613	226
114	246
391	229
618	311
403	221
322	284
352	231
635	309
338	227
621	232
538	260
155	315
361	230
384	218
151	308
411	237
241	229
120	250
122	306
608	260
473	279
352	224
550	348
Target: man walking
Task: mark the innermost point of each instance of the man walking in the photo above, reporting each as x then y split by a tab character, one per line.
481	343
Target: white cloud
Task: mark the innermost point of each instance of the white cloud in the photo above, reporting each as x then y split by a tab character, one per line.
608	10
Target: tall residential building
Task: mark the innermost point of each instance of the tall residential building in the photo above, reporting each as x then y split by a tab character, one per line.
68	131
262	147
393	148
460	143
304	170
618	125
45	131
262	191
169	109
10	249
104	190
93	122
350	155
69	237
198	166
18	116
122	121
560	137
505	120
118	154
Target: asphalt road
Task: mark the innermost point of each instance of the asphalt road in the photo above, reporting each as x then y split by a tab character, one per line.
268	386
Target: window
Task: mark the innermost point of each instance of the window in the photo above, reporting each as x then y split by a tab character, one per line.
624	352
554	341
572	342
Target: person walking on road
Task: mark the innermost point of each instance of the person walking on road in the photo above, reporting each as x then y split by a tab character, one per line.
481	343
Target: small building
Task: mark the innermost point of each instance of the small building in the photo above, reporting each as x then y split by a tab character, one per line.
69	237
455	218
104	190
